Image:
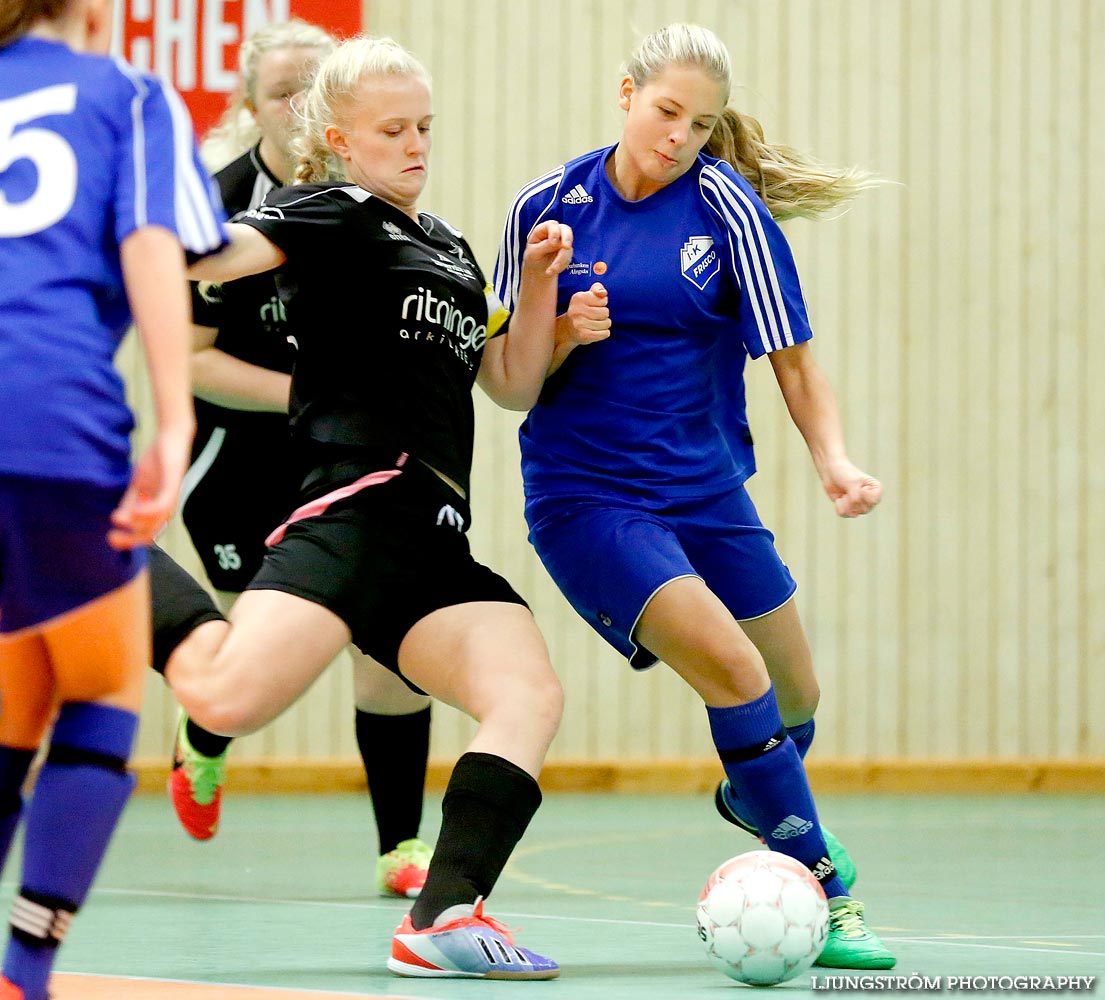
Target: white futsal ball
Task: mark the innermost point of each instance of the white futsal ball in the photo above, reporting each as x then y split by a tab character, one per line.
763	918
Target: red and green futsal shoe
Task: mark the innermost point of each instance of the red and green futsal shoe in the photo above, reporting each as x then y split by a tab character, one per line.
196	786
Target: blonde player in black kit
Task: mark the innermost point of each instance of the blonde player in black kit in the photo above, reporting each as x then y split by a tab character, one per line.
394	322
242	479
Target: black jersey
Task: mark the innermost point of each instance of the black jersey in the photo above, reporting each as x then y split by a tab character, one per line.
247	312
389	316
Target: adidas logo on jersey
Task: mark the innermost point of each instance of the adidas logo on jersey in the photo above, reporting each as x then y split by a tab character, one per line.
577	196
792	826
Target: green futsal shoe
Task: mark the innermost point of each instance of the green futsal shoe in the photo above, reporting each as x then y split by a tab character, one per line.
728	807
851	943
402	872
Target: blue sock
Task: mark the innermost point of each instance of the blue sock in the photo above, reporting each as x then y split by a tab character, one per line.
14	765
75	806
802	736
765	770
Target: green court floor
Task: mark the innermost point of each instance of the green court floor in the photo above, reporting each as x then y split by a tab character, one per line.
605	884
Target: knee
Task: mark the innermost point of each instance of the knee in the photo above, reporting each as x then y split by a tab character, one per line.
798	705
549	703
227	715
24	729
724	675
812	700
538	701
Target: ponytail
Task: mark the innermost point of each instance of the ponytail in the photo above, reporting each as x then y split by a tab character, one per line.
316	162
790	182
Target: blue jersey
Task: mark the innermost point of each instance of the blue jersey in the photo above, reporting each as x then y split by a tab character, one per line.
90	151
700	278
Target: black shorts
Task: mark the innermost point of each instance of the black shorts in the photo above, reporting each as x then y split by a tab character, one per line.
240	486
384	558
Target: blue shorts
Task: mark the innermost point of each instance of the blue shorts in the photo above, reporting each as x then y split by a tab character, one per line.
609	556
54	555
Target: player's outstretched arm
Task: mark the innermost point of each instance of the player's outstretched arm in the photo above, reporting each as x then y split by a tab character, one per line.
248	252
225	380
153	271
813	408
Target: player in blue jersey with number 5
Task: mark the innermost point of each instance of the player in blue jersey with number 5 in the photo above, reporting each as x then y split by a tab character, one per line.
635	456
100	189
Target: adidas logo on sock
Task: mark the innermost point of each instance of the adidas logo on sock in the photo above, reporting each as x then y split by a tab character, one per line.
577	196
792	826
823	870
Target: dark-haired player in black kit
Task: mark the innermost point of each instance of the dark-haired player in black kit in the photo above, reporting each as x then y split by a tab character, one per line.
394	322
242	481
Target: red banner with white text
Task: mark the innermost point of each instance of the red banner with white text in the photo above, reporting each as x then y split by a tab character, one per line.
194	43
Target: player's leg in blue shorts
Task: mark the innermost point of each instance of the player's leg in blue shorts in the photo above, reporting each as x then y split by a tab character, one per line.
74	632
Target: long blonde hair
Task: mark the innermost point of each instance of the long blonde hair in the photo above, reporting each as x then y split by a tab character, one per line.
237	130
791	183
324	104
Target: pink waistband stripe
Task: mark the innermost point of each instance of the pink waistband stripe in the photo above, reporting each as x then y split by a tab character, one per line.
320	504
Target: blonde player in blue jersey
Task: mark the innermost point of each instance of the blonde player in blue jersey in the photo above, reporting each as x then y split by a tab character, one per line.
635	456
100	188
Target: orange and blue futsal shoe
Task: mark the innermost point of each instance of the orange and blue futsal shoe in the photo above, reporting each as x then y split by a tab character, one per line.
470	947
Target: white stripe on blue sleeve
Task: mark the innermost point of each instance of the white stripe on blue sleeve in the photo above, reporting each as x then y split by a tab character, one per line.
195	218
753	262
200	231
138	137
508	266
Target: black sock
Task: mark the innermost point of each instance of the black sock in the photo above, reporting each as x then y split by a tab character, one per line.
394	750
180	605
204	742
486	809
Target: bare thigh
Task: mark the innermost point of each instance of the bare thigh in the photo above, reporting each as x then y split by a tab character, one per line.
686	625
96	653
489	660
101	651
235	678
27	701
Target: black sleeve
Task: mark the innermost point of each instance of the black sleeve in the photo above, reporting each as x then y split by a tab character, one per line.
301	220
472	260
